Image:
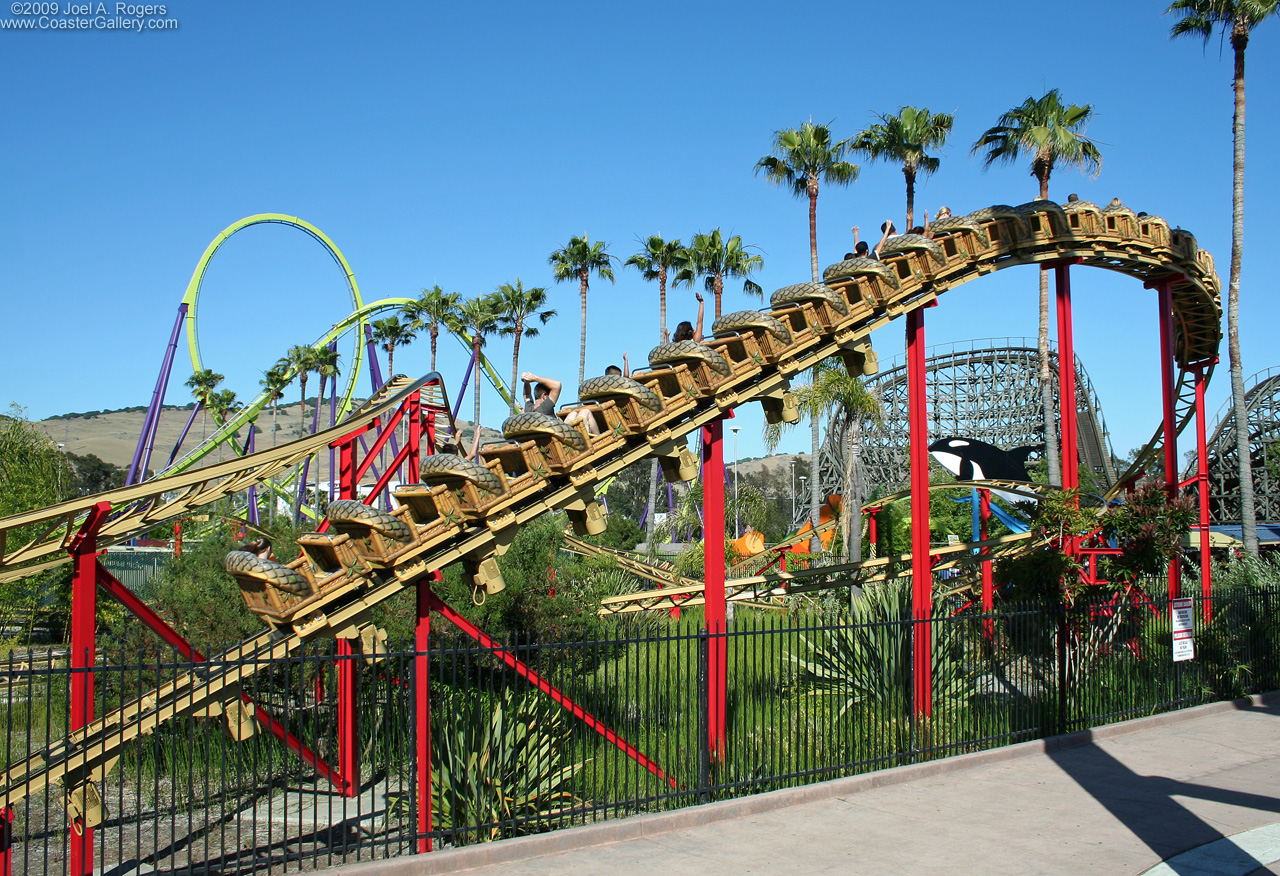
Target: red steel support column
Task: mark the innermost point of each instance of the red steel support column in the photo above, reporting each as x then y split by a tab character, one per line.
422	638
422	701
348	712
84	618
988	582
1165	300
6	841
1067	380
713	552
921	568
1202	483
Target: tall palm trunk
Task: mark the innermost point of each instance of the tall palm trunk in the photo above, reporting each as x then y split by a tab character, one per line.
302	411
815	423
813	230
475	350
717	289
435	333
851	501
391	360
910	174
1051	450
663	334
582	346
515	367
1248	513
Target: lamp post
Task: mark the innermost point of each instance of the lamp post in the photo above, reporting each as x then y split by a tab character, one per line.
737	510
803	478
793	489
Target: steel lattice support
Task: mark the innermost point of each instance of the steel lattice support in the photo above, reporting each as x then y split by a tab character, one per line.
1262	402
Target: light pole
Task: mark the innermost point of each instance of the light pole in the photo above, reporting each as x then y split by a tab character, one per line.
737	510
793	490
803	478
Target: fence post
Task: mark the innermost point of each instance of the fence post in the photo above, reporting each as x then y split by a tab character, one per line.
1062	668
704	736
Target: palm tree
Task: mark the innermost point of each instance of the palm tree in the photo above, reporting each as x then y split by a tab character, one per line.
390	333
275	380
802	159
832	390
514	307
223	404
302	359
655	261
328	368
578	260
905	139
478	318
712	257
1050	132
433	310
202	384
1237	18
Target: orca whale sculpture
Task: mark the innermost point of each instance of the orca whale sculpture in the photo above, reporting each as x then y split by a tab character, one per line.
972	460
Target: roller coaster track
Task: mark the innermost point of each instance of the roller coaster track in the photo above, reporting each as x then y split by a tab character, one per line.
468	515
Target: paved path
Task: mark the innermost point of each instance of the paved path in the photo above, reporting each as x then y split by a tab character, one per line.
1136	796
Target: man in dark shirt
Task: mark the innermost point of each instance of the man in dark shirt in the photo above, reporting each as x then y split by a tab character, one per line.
540	393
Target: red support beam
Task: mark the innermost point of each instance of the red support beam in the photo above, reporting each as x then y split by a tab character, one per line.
6	841
84	620
1202	484
1164	292
921	567
713	553
522	669
1067	379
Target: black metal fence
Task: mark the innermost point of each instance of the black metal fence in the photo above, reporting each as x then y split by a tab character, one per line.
807	700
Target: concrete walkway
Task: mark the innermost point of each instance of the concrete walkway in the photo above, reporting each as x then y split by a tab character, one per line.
1117	800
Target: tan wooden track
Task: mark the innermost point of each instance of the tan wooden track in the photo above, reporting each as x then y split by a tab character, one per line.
453	519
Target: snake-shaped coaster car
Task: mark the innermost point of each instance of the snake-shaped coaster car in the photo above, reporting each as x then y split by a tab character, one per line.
243	564
1057	216
444	468
748	320
956	224
533	424
916	243
1003	213
636	403
704	363
829	305
346	515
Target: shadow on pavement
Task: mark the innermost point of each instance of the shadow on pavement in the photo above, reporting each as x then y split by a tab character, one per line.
1146	804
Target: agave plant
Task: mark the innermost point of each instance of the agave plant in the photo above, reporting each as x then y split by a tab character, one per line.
501	768
870	659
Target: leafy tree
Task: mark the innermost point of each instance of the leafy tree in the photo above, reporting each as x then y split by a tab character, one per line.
578	260
390	333
714	259
434	309
1236	19
479	319
1051	132
802	158
91	475
202	384
515	306
655	260
905	139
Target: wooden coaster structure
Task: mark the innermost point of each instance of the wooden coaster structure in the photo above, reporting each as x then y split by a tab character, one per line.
467	512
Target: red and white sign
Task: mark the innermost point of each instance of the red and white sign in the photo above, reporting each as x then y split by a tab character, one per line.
1182	616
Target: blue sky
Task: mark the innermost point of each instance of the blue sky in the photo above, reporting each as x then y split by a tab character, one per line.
460	144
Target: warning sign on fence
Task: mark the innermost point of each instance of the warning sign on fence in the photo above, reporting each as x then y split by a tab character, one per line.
1184	643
